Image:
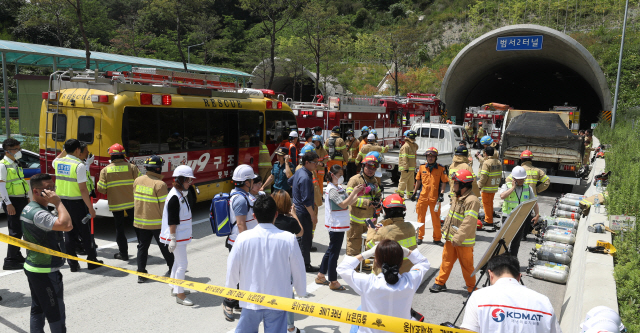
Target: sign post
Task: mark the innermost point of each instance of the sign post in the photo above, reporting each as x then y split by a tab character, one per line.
622	223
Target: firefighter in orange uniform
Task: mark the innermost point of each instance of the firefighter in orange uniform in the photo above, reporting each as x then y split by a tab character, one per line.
461	162
490	177
459	232
433	178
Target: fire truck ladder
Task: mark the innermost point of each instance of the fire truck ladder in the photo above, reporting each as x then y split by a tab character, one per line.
53	108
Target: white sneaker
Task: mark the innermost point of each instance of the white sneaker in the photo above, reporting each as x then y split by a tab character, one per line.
186	292
185	301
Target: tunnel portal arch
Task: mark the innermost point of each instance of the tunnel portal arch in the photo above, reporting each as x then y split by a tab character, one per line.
563	71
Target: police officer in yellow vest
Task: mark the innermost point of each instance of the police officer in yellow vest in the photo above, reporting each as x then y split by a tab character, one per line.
149	195
264	164
116	181
15	196
71	186
514	192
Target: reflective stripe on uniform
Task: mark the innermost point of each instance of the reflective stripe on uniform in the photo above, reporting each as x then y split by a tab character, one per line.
408	242
126	205
357	219
149	198
147	222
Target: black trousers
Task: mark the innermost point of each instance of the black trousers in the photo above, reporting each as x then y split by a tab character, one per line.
515	243
15	230
144	241
78	210
307	238
121	222
330	259
350	171
47	301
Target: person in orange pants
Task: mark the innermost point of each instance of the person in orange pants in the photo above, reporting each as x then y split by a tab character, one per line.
459	232
433	178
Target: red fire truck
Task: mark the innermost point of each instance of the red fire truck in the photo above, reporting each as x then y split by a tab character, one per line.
490	116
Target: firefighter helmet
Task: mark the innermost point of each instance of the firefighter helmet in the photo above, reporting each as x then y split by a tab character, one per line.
154	161
316	138
307	148
371	159
349	132
486	140
116	149
335	129
374	132
432	151
463	176
411	134
462	150
526	154
393	201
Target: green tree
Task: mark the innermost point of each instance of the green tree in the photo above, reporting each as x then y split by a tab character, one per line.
397	46
48	17
275	16
76	5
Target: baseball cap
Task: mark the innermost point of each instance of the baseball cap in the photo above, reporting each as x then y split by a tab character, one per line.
243	172
184	171
282	151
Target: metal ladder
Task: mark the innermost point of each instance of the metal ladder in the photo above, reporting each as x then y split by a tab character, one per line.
53	108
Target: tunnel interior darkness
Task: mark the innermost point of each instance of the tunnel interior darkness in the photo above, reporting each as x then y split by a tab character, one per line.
536	84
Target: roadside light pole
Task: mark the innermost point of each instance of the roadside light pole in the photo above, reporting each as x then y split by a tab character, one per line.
615	99
189	52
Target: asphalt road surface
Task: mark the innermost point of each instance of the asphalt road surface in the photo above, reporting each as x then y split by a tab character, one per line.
105	300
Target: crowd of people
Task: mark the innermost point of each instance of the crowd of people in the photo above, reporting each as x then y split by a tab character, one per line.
274	215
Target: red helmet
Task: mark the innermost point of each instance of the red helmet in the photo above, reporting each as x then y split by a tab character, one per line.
526	154
394	201
371	159
116	149
479	123
463	176
432	150
479	225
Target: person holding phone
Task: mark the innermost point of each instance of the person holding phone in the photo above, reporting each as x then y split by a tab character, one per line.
337	221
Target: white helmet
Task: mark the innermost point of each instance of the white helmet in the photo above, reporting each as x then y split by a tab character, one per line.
600	323
371	137
519	173
243	172
602	311
293	134
184	171
596	330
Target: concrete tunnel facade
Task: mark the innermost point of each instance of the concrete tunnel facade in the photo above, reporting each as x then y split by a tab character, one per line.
563	71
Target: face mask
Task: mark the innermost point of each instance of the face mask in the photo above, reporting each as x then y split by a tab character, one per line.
341	180
17	155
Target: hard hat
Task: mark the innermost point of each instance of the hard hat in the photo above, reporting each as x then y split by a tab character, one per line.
184	171
394	201
305	149
432	151
365	129
604	312
154	161
526	154
243	172
293	134
374	153
335	129
600	323
411	134
463	176
480	123
479	225
316	138
371	137
373	131
116	149
519	173
462	150
370	159
486	140
317	128
349	132
406	133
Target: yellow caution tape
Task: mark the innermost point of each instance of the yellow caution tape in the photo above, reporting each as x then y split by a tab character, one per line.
342	315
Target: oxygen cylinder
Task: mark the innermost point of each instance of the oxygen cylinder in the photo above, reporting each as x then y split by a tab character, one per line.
569	215
568	208
559	236
553	254
570	202
560	228
556	247
563	222
550	264
560	245
574	196
550	274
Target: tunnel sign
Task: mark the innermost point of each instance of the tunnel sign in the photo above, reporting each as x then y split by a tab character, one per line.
514	43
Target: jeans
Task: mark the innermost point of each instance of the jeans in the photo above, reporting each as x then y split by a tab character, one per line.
179	266
307	238
514	248
355	328
78	210
144	241
15	229
46	301
330	259
274	321
121	222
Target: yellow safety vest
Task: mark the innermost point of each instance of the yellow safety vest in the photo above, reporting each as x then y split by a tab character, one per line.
15	183
264	159
67	178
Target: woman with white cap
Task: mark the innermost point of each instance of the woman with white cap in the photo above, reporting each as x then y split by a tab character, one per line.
176	228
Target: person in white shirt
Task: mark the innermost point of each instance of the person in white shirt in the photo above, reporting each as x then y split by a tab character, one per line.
265	260
389	293
506	305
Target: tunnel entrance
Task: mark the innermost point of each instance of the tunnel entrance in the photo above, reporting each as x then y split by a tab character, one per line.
563	71
536	84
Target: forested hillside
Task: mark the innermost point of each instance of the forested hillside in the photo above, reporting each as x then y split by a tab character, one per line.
354	42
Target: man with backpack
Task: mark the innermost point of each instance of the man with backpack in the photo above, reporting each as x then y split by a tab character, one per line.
336	148
242	219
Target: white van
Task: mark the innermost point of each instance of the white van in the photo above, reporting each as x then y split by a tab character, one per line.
444	137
